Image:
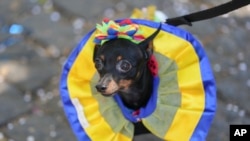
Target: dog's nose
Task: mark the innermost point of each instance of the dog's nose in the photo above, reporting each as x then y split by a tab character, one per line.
101	88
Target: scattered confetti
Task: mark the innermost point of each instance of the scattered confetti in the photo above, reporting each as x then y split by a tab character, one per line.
10	126
16	29
53	134
41	92
242	113
22	121
235	108
49	95
217	67
54	51
78	23
55	16
27	97
36	10
242	66
30	138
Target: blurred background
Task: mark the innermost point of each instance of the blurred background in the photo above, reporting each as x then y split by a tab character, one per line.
36	36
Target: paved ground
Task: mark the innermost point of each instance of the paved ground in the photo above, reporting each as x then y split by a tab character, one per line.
31	57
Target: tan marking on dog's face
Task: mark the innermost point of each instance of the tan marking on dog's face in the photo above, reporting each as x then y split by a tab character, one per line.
108	81
125	84
119	58
112	87
102	57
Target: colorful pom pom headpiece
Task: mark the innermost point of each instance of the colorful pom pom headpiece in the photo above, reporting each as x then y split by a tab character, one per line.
111	30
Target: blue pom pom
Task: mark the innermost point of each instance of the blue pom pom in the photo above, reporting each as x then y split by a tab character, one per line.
97	41
109	37
112	31
131	32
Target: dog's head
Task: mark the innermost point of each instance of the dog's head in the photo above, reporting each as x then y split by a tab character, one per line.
120	63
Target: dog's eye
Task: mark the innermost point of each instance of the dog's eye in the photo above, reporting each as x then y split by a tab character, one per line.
123	66
98	64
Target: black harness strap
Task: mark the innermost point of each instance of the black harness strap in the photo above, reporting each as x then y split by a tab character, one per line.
208	13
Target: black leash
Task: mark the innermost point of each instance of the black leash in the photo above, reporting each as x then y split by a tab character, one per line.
208	13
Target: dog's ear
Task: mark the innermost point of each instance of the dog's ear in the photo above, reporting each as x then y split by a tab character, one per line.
96	47
147	44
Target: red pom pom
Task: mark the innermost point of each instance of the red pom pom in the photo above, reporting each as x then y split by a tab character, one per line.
106	20
153	65
125	22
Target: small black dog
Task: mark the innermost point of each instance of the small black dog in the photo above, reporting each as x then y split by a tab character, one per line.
123	69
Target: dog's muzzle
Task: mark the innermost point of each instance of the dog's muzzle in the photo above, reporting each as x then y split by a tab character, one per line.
107	86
